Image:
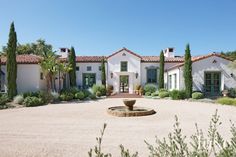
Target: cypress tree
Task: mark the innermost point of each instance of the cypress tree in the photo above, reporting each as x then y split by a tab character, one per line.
11	63
103	72
188	79
161	73
72	62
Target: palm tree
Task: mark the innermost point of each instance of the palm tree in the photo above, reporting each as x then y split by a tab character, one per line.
49	68
63	69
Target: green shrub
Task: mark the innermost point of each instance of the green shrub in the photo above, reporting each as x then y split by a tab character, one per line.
73	90
197	95
66	96
3	99
232	92
79	95
148	93
18	99
98	94
32	101
55	96
92	96
31	94
226	101
86	92
156	93
150	88
100	88
163	94
46	97
162	90
177	94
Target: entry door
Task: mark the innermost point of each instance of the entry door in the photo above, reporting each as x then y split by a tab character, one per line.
89	79
124	83
212	83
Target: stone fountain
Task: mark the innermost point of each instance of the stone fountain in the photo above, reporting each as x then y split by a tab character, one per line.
128	110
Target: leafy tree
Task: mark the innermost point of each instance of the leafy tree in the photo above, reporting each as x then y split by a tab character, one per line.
49	67
188	78
72	62
161	73
11	63
64	69
103	72
38	48
230	54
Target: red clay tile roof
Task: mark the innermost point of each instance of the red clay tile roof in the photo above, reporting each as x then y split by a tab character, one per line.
89	58
198	58
131	52
24	59
157	59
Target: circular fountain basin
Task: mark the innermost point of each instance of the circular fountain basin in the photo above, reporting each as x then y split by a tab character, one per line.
122	111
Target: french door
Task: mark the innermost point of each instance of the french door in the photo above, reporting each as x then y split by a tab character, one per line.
124	83
212	83
89	79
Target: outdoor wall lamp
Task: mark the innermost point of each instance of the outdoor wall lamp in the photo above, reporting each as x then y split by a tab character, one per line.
232	75
111	74
136	75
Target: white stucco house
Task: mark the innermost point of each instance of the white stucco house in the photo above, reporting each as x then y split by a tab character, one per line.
126	69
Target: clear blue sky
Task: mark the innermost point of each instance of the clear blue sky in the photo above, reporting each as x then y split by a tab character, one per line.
100	27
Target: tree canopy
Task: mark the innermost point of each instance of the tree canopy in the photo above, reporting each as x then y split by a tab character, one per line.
37	48
230	54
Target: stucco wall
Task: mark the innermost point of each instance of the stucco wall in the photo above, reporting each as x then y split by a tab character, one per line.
178	77
145	65
28	77
206	65
83	69
133	67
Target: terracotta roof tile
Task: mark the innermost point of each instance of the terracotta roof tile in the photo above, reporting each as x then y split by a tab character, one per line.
131	52
24	59
198	58
89	58
157	59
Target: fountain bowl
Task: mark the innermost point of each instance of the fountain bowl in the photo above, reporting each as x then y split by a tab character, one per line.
129	103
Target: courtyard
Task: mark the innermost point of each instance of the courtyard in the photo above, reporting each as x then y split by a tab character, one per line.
70	129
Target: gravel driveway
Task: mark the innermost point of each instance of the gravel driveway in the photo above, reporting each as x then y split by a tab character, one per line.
70	129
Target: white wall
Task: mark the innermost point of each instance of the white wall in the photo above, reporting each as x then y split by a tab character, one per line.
28	78
172	73
206	65
145	65
83	69
133	67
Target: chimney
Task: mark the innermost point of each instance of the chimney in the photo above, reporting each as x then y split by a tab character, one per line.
169	52
64	52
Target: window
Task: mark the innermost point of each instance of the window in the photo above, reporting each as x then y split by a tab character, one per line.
123	66
89	68
151	75
170	81
99	68
41	76
77	68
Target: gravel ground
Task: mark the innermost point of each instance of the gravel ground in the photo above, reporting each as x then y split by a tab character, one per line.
70	129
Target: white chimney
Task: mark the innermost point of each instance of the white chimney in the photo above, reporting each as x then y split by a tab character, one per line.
64	52
169	52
